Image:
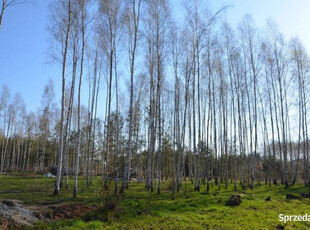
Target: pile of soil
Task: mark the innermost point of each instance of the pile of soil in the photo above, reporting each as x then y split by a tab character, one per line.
234	200
13	215
67	211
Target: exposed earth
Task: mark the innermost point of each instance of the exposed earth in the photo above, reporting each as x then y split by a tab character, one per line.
14	214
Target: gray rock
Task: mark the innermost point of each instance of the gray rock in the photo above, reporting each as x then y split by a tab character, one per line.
12	214
64	171
49	175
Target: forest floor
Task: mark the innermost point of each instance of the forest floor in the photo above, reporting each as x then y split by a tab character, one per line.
139	209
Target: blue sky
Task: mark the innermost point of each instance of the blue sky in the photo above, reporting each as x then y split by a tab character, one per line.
24	63
23	52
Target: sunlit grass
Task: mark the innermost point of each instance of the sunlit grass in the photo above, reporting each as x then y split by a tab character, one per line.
140	209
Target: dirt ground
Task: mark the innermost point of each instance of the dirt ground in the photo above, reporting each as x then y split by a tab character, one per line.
67	211
14	214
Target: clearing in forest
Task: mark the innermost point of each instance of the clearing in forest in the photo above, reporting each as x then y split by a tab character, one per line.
139	209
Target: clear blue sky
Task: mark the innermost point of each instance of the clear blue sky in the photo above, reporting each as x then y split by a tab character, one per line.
23	52
24	66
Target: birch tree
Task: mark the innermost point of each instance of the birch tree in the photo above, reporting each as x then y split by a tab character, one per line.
133	21
61	19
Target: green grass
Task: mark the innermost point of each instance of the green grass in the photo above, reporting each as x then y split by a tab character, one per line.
40	191
140	209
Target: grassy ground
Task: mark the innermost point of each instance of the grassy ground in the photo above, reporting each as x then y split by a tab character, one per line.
140	209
